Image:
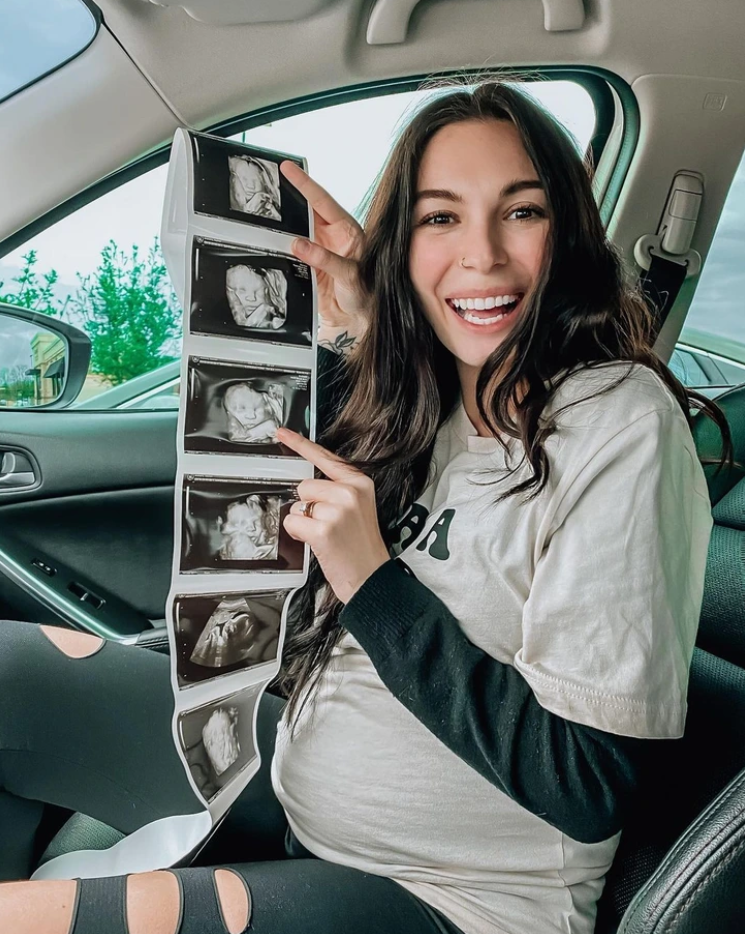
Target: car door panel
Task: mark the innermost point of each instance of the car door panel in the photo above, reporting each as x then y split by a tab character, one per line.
91	542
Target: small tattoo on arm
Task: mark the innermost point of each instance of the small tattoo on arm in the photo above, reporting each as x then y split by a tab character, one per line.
341	344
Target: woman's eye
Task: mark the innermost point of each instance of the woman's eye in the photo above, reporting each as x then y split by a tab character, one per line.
526	213
436	219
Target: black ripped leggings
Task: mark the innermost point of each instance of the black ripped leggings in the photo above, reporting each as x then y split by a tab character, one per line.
94	735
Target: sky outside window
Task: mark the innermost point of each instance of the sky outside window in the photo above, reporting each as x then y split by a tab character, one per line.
345	145
38	35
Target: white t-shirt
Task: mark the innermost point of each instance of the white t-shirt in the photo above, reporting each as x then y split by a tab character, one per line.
592	591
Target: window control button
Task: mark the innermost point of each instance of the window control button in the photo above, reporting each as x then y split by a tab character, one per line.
44	568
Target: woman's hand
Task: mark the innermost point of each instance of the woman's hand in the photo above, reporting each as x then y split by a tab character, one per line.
342	303
343	531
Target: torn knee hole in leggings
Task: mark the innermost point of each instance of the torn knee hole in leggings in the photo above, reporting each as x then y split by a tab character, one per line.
71	643
173	901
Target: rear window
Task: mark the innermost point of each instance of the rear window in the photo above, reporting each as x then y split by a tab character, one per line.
37	36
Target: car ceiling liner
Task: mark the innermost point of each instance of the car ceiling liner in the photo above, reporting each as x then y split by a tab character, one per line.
388	23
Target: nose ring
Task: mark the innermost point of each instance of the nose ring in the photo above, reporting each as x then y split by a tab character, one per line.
463	263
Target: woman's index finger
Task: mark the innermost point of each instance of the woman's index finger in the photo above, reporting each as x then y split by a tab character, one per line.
334	467
319	199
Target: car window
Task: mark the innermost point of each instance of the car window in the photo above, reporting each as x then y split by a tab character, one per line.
101	268
687	367
165	398
715	325
37	36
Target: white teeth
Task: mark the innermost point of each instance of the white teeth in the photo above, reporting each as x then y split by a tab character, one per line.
474	320
482	304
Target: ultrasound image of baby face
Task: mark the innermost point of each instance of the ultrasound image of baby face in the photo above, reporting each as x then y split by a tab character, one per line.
252	301
250	530
254	189
253	415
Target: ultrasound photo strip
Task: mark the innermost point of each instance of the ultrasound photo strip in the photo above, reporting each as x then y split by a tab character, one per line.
248	368
237	525
236	408
217	740
243	183
250	294
221	634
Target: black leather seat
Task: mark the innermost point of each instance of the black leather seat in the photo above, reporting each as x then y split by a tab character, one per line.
681	858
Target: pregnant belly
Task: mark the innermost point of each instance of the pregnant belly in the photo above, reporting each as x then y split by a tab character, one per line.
363	782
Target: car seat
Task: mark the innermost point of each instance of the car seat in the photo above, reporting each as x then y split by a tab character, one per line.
665	876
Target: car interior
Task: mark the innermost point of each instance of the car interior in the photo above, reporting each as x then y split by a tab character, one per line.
87	486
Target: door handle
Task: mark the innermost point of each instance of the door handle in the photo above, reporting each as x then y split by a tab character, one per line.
17	472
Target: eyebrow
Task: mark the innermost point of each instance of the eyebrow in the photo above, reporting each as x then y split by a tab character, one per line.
514	188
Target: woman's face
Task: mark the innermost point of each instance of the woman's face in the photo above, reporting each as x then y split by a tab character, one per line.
478	236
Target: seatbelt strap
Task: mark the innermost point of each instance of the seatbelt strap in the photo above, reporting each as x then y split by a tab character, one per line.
661	284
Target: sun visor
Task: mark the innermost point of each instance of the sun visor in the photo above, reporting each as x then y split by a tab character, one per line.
243	12
389	19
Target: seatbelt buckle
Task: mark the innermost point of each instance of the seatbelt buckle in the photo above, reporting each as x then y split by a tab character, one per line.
650	246
674	236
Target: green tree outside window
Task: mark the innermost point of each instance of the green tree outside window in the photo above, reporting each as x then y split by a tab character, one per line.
127	307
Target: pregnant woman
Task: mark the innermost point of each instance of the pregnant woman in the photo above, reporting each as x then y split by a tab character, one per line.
504	593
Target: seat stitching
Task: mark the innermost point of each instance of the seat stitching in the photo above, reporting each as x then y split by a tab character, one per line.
678	850
708	876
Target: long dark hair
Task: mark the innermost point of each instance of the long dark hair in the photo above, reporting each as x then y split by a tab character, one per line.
404	383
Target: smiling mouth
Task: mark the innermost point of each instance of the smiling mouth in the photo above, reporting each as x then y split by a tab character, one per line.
484	316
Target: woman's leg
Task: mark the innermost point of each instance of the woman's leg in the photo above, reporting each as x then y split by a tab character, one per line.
88	732
280	897
92	733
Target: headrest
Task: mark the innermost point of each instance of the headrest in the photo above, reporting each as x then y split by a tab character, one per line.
709	442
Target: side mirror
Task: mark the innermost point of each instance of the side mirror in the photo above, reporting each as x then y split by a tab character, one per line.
43	361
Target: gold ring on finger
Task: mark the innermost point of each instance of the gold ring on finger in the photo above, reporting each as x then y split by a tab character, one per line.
306	509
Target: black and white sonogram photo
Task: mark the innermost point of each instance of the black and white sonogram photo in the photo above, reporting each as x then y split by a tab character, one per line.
243	183
221	634
235	408
217	740
256	296
236	525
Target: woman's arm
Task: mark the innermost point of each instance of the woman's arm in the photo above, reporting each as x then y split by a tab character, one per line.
608	631
576	778
333	254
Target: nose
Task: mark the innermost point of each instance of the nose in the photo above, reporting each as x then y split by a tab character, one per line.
482	247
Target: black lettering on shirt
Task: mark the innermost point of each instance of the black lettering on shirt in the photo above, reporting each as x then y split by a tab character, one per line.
408	528
439	547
